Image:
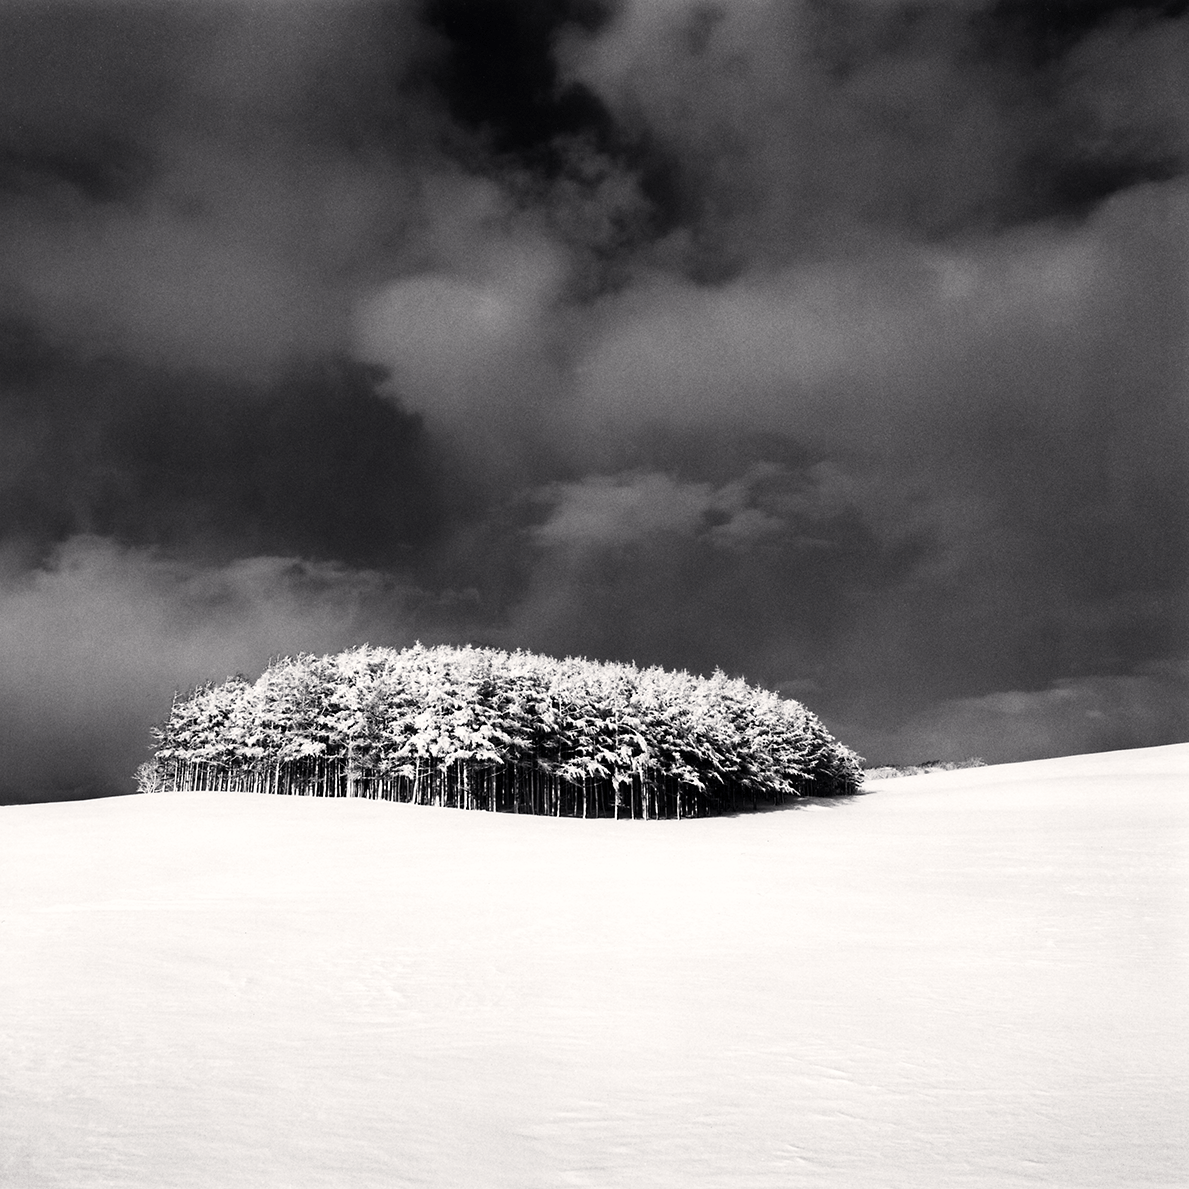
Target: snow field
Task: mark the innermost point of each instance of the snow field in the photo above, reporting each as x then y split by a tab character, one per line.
976	978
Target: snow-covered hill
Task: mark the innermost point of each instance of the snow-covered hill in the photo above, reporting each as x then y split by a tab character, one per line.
974	978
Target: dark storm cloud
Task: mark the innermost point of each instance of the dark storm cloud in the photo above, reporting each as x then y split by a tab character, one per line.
199	184
795	129
1072	715
840	344
314	462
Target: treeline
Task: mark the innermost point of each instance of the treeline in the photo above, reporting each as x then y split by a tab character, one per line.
888	771
478	728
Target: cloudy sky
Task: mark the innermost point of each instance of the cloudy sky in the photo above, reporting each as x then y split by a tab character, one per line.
840	344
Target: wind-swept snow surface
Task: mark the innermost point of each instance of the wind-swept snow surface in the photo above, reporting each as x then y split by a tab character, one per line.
974	978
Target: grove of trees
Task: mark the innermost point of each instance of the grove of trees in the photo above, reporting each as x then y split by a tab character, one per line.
479	728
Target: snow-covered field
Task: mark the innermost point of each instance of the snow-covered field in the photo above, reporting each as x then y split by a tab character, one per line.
976	978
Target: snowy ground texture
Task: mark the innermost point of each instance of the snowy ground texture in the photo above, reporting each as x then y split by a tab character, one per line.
976	978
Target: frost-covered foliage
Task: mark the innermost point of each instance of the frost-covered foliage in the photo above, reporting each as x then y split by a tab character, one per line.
483	729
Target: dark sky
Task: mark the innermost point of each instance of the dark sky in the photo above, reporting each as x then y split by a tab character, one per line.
840	344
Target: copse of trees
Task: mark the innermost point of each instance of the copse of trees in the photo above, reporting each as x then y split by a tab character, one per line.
479	728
